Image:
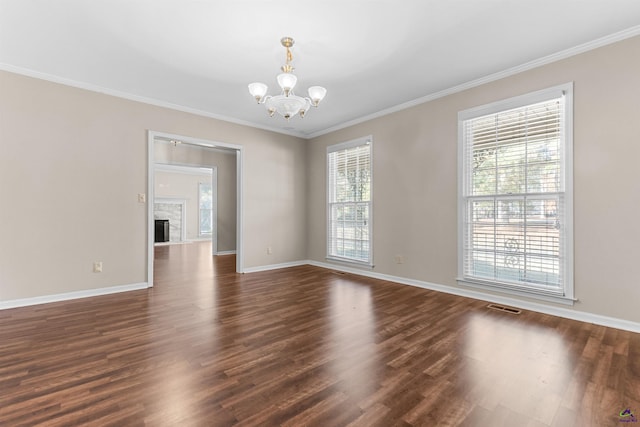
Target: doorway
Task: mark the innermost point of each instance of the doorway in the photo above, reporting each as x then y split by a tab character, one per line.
179	150
174	211
186	197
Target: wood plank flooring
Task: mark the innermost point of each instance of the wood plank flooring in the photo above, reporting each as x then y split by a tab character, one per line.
305	346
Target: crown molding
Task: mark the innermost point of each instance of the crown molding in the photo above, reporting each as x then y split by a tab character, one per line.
567	53
594	44
138	98
186	170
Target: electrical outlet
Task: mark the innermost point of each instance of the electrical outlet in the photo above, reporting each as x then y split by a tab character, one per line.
97	267
142	198
399	259
269	250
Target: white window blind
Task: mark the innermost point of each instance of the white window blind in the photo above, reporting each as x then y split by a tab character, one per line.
514	206
349	201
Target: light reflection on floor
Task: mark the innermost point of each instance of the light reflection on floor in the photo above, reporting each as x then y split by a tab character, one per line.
496	347
353	337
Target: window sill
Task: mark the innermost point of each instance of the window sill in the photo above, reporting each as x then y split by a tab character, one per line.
522	292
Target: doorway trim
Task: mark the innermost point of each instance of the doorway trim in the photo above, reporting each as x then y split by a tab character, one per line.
151	138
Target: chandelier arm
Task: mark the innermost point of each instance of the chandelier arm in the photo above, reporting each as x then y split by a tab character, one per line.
264	99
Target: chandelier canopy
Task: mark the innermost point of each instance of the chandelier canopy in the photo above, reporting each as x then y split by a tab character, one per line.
287	104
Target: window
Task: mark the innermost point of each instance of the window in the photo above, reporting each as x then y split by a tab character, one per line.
205	200
349	201
515	203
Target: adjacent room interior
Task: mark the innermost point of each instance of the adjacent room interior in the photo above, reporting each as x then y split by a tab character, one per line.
443	232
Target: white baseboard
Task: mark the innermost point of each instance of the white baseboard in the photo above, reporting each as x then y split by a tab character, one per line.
71	295
275	266
179	242
581	316
226	253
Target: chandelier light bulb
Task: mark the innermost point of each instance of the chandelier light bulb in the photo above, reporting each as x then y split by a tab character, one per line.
287	82
258	91
317	94
287	104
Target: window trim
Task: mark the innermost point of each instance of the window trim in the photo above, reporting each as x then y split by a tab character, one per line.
567	295
366	140
200	233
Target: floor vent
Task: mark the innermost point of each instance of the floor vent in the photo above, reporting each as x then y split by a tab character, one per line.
340	273
505	309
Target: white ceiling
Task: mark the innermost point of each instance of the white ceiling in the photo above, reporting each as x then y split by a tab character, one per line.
371	55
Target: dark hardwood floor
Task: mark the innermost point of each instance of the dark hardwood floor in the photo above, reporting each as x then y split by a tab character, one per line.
305	346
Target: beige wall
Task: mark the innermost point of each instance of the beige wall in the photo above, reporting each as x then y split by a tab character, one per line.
71	165
73	161
225	163
415	178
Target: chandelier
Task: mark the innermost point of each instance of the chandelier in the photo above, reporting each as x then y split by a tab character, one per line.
287	104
